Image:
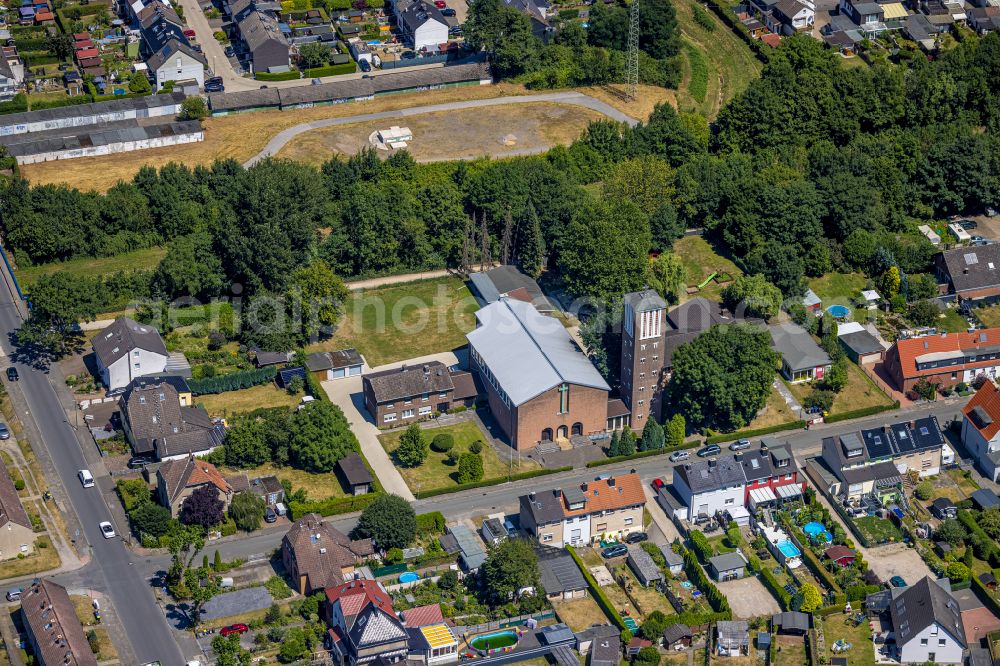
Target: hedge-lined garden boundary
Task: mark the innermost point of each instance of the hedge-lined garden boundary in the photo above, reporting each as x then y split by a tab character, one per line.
756	432
596	591
332	506
233	381
434	492
643	454
859	413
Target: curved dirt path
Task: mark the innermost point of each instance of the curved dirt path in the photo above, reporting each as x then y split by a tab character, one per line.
573	98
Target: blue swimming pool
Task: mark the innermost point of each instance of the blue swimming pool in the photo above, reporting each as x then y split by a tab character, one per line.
839	311
788	549
409	577
816	531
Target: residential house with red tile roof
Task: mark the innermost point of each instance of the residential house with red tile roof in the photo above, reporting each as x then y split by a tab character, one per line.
317	556
610	507
947	359
364	626
981	429
423	616
176	480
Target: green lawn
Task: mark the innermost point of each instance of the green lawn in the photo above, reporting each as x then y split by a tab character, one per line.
859	393
838	288
836	627
404	321
953	322
878	530
988	317
700	261
776	411
231	403
791	651
722	67
138	260
436	473
317	486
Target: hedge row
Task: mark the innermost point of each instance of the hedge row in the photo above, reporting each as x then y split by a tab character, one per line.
643	454
332	506
598	594
983	547
280	76
332	70
810	559
490	482
700	545
699	578
314	388
233	382
858	413
757	432
985	596
725	13
771	582
432	521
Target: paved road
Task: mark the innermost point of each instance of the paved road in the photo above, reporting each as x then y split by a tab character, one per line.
114	571
481	501
574	98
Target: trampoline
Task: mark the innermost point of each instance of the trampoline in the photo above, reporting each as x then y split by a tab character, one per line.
839	311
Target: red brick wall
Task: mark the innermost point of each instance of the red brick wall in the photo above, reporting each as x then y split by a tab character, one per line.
587	406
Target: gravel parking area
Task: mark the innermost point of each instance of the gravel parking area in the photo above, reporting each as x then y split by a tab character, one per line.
748	598
897	560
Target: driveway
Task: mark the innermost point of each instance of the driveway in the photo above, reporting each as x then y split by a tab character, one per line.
748	598
348	394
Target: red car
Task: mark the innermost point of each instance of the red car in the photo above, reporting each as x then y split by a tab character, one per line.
189	33
657	483
234	629
440	4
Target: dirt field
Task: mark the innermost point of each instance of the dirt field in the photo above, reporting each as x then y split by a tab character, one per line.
449	135
748	598
243	135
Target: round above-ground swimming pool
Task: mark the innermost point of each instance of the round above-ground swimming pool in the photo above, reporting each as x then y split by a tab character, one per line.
816	531
839	311
494	641
408	577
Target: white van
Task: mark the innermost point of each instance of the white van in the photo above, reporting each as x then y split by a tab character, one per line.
86	478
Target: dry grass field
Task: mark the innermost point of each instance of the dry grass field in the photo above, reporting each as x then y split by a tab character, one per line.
243	135
449	135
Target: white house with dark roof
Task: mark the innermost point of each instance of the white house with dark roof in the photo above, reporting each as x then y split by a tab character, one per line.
710	486
802	360
422	24
127	349
927	624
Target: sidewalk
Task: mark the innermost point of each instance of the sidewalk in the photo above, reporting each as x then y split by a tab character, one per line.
790	400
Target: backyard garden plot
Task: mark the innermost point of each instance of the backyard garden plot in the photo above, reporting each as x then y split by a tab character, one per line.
437	472
860	392
398	322
704	267
578	614
842	628
789	651
143	260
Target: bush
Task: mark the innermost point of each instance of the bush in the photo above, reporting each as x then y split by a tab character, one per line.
281	76
700	545
470	468
923	490
220	36
332	506
133	492
95	644
195	108
331	70
19	485
488	482
476	447
702	18
443	442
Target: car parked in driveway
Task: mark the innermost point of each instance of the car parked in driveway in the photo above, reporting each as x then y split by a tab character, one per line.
138	462
897	581
238	628
637	537
447	11
614	551
270	516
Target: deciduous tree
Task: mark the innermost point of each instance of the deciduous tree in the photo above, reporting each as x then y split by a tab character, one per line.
412	450
319	436
470	468
202	507
752	295
247	511
510	567
389	521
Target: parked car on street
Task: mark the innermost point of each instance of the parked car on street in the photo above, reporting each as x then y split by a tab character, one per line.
740	445
678	456
710	450
4	431
12	375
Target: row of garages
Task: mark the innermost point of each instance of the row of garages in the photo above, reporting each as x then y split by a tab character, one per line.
95	113
296	97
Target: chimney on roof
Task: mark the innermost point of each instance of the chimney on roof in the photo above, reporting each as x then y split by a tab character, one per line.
711	464
558	492
531	495
611	481
427	370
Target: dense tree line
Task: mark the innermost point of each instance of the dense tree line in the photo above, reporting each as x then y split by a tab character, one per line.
577	56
